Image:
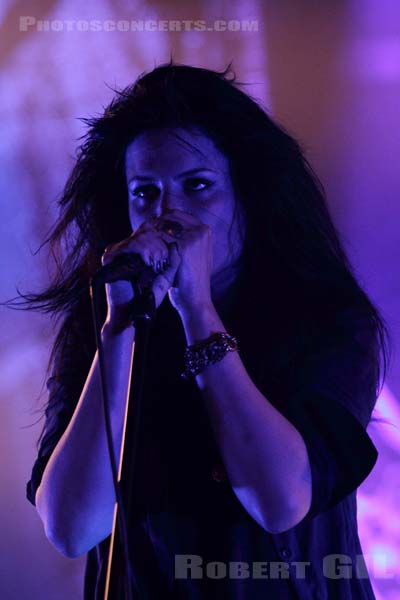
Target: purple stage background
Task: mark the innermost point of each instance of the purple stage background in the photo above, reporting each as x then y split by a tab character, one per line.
328	71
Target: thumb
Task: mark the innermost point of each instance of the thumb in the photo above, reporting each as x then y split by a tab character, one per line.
174	256
165	280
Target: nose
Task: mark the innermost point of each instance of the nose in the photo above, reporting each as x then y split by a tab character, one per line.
167	200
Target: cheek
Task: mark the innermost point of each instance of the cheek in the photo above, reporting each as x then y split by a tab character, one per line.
216	210
135	218
218	217
220	244
133	221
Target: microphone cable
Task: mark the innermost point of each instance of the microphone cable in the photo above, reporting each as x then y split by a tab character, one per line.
95	282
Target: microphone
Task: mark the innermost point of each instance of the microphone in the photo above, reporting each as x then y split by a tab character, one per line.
130	266
124	267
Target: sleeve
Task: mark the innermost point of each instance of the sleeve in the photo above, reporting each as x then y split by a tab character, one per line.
64	389
332	392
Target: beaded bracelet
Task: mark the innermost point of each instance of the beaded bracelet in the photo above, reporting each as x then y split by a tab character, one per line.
208	351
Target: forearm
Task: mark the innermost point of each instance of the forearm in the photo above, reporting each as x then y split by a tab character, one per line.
264	455
76	497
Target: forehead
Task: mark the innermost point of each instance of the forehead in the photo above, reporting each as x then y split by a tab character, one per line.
173	148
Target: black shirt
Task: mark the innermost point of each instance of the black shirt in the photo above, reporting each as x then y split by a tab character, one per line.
185	504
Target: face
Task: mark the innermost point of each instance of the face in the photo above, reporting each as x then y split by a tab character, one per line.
178	168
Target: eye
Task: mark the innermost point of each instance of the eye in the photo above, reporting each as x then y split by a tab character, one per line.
194	183
145	192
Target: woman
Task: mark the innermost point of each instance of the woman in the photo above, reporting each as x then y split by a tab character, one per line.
248	468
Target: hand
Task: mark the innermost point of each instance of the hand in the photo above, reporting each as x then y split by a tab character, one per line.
157	250
192	284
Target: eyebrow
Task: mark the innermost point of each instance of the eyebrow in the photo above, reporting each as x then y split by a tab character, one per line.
189	172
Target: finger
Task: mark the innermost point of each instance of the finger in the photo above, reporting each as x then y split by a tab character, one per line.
167	263
160	287
149	243
180	216
148	225
165	280
111	252
159	254
169	239
172	264
154	247
174	256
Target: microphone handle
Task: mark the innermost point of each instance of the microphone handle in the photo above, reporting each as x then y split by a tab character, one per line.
125	267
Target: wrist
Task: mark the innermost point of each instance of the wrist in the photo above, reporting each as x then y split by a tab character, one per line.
115	325
207	352
200	321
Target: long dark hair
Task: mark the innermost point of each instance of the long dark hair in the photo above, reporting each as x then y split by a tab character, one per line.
291	242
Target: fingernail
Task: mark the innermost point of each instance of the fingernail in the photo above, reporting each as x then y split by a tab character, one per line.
158	268
151	262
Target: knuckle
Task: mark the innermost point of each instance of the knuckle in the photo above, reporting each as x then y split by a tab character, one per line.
107	254
159	284
163	282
